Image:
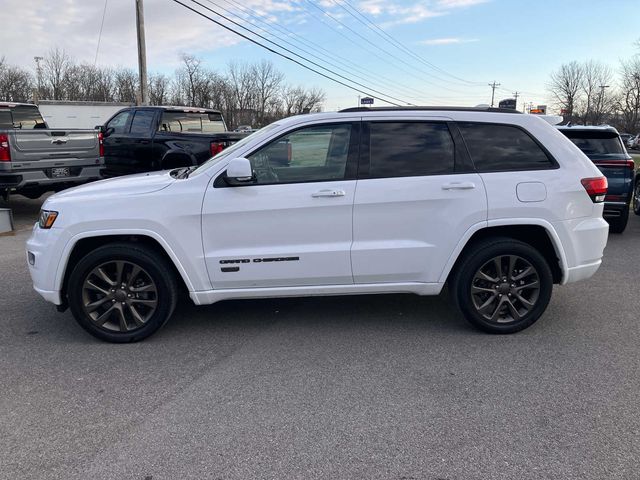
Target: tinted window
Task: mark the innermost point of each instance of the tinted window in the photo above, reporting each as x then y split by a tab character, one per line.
306	155
405	149
502	147
142	121
27	118
119	122
596	142
192	122
6	121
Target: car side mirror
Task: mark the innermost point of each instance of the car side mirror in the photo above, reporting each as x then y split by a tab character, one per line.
106	131
239	172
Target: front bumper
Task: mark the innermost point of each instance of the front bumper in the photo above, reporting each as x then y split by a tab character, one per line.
44	250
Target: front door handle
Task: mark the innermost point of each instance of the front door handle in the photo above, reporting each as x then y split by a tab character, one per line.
459	186
328	193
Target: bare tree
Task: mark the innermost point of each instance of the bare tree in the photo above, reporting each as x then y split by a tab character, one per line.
565	86
594	101
628	102
297	100
267	83
158	89
16	84
125	85
56	66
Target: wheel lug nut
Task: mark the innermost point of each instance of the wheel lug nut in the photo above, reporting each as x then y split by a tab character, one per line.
113	301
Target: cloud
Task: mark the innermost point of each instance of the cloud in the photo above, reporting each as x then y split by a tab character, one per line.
447	41
403	13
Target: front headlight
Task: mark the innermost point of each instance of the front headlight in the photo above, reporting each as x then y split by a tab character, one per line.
46	219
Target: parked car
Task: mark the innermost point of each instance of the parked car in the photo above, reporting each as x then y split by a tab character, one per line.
636	193
35	159
634	142
625	137
144	139
605	149
496	204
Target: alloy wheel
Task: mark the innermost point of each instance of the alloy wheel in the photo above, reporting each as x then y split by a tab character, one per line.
119	296
505	289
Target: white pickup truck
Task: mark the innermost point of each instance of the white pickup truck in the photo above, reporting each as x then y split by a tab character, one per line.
35	159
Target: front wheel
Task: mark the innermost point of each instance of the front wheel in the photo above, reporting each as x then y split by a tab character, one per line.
502	285
122	292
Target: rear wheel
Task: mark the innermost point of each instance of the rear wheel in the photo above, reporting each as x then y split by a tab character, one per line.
502	285
122	293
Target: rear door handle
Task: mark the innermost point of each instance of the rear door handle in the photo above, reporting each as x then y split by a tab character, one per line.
459	186
328	193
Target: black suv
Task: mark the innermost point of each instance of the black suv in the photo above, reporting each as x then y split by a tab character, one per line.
606	150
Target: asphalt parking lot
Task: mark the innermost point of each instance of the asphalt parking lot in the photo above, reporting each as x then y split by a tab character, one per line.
390	387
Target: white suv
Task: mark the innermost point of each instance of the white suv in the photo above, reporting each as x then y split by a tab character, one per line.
499	205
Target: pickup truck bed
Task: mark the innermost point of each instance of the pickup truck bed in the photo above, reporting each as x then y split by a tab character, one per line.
37	160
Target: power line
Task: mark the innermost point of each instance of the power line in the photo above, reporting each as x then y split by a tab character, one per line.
104	11
367	22
377	47
226	27
388	82
292	52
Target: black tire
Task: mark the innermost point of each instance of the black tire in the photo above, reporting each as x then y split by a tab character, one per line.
143	300
636	198
618	224
472	272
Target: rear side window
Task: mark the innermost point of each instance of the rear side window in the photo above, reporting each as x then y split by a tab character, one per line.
495	148
596	142
192	122
142	121
408	149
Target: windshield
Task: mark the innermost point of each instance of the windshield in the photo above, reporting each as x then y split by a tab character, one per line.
233	148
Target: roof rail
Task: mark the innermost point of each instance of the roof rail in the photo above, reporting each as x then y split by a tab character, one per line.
429	108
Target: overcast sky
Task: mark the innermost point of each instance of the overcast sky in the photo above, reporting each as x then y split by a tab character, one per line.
470	42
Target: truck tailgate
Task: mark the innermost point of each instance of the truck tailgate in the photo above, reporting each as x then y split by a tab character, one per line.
43	144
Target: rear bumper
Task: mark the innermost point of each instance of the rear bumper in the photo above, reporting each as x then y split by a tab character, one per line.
615	209
40	180
583	241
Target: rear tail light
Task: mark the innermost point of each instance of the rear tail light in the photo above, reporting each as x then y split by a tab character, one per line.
617	163
101	143
216	148
5	153
596	188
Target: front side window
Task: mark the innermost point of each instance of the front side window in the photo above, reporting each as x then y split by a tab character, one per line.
142	121
408	149
119	122
496	148
311	154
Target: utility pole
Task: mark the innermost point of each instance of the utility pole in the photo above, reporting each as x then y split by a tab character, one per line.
493	90
516	94
39	79
142	54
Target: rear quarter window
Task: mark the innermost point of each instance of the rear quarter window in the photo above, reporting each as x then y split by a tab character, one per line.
497	148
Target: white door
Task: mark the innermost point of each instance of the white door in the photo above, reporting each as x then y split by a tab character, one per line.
415	203
293	224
